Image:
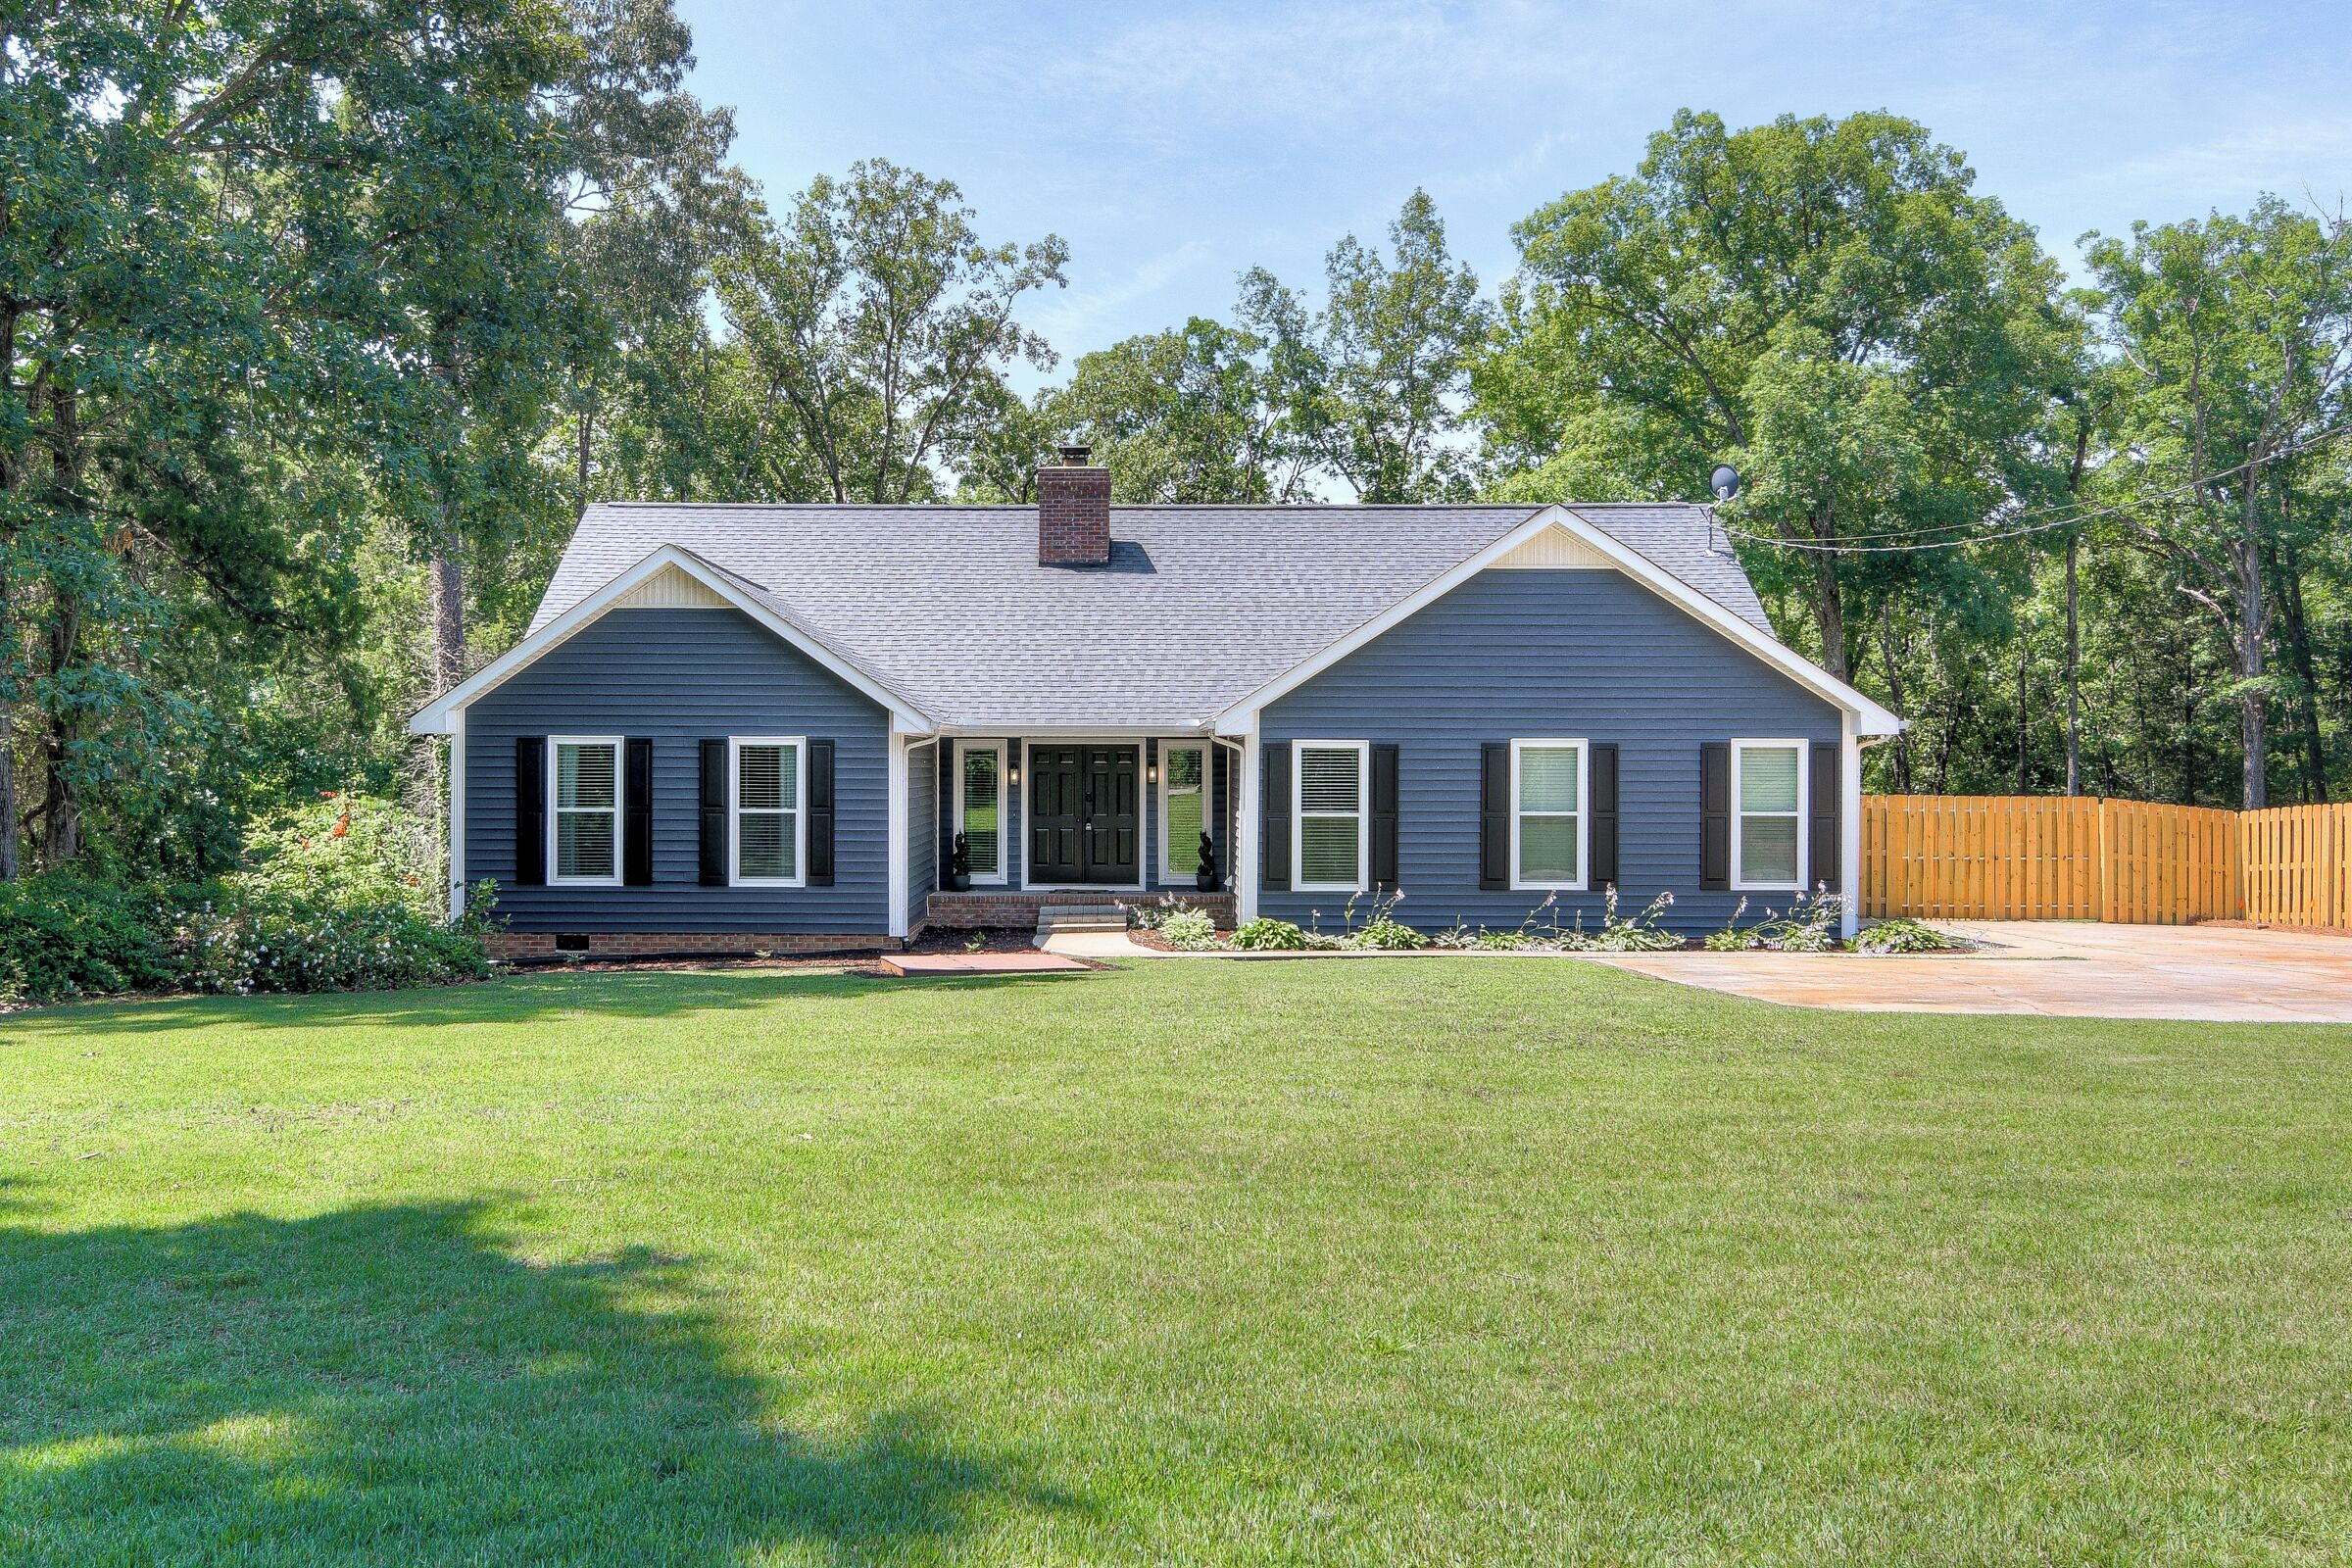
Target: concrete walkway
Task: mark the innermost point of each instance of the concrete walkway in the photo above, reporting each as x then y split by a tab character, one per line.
2223	975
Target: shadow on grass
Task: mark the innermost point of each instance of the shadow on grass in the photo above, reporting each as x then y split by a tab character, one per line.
631	994
385	1386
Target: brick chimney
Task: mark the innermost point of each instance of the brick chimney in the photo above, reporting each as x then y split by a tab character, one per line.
1073	512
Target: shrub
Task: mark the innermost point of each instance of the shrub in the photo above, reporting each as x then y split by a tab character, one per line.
343	850
1190	929
66	935
1263	935
1500	941
1905	935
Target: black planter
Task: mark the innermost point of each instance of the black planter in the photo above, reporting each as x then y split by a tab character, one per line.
1205	881
959	882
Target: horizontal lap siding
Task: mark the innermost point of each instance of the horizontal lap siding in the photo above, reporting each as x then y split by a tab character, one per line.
1527	655
679	676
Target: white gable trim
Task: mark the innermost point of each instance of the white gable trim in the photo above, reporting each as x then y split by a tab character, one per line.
1241	718
438	716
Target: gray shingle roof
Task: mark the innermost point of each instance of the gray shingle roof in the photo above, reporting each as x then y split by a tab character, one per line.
1199	606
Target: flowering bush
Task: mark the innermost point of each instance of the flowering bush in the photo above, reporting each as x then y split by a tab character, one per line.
1641	933
276	941
1809	926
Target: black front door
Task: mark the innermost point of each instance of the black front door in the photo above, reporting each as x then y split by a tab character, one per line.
1083	818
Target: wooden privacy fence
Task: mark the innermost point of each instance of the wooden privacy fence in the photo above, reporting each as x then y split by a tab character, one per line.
2031	858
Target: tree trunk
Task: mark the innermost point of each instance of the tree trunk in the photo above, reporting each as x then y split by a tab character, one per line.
2074	632
61	809
2253	712
2023	652
1901	748
2307	678
2074	671
1828	600
448	611
9	868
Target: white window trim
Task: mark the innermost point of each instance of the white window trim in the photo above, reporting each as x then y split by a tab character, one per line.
1584	819
555	809
962	749
1364	816
1167	877
1804	759
800	812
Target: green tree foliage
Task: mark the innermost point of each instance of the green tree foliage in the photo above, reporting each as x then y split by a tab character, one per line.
1827	304
1187	416
873	320
1372	386
2233	357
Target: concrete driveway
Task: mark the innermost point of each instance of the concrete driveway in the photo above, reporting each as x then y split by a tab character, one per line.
2226	975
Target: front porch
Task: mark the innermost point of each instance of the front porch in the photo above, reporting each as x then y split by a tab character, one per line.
982	907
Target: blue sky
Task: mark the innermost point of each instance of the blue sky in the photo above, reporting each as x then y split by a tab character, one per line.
1175	145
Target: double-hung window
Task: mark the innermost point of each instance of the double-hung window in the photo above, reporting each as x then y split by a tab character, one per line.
584	828
1183	808
1548	814
980	806
1768	794
764	804
1332	815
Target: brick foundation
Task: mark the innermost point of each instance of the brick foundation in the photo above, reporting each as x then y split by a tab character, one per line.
524	946
963	912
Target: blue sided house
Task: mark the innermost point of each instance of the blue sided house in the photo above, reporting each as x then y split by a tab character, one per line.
741	728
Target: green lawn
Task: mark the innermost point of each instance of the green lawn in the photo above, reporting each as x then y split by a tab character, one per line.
1378	1261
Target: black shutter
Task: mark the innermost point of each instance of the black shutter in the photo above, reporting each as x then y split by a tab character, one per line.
820	815
1274	815
530	811
713	815
1715	815
637	817
1495	815
1383	818
1604	817
1824	783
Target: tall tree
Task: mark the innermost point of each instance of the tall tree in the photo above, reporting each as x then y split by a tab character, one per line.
874	318
1185	416
1373	386
1828	304
2234	337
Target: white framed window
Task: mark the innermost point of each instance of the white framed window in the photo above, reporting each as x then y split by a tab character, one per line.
1331	816
1550	783
1183	808
771	837
1768	815
980	806
583	819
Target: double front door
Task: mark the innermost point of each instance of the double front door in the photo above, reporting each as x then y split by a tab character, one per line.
1083	817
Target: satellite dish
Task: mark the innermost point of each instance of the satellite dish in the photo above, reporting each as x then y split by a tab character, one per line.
1726	481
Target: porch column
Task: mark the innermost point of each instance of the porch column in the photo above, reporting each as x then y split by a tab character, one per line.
1849	826
897	835
1245	834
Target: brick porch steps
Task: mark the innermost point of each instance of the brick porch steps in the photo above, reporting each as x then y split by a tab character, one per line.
1015	909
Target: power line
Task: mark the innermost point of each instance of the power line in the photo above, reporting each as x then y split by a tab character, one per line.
1841	548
